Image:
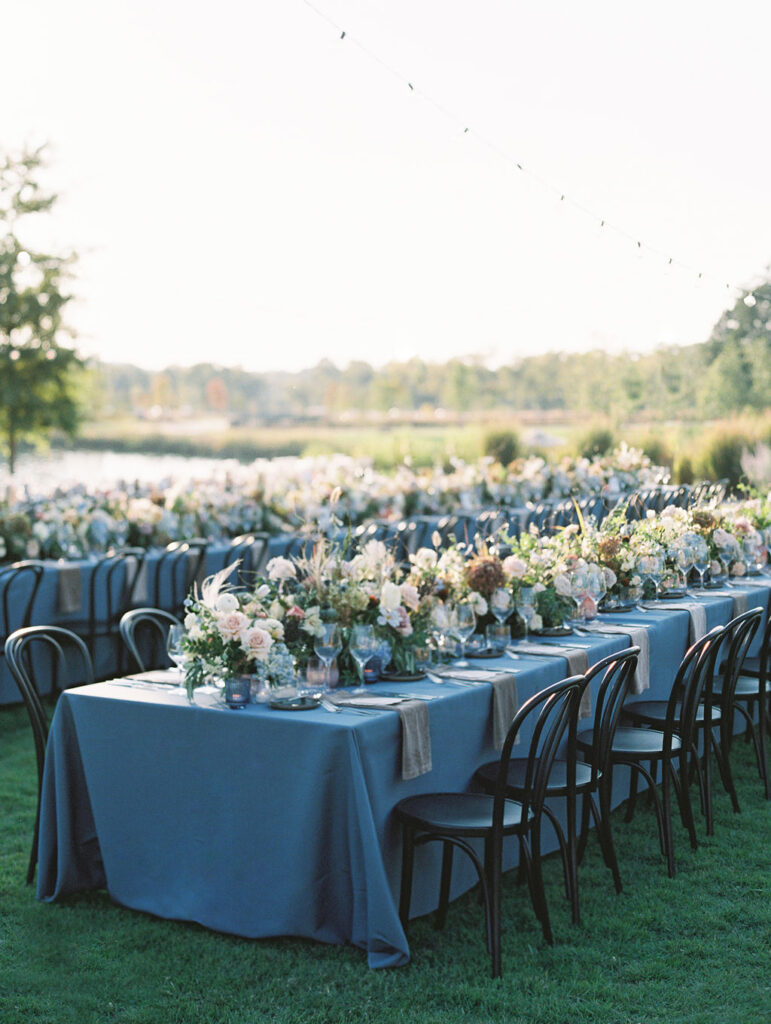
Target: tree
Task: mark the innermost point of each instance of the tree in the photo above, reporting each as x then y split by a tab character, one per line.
38	374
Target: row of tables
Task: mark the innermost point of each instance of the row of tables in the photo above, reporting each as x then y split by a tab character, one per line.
266	823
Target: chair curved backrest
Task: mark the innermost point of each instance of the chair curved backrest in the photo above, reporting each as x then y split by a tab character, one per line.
739	634
619	670
555	713
19	585
155	619
693	683
177	568
19	648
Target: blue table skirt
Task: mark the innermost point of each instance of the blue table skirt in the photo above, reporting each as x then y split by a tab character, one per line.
265	823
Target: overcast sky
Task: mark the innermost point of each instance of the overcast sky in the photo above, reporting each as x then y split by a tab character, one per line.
245	187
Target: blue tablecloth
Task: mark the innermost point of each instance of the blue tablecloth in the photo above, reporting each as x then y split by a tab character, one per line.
265	823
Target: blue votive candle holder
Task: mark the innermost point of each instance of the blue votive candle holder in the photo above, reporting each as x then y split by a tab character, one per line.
237	691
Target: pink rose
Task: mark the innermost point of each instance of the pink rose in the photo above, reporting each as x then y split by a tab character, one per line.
410	596
257	642
231	625
404	626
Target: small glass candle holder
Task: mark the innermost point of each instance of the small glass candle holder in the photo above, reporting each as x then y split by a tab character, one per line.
237	691
498	636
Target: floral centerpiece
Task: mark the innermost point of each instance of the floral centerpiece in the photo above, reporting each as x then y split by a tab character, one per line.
228	634
543	564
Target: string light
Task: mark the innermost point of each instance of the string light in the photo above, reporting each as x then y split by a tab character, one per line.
748	297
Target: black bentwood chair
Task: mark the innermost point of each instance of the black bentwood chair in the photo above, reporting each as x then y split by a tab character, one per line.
716	708
57	643
144	632
454	819
753	690
673	746
591	778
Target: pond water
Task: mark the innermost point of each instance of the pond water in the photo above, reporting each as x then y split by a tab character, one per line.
41	474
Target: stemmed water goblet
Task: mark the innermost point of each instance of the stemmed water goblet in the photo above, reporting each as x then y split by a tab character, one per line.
701	559
526	607
363	645
650	568
579	584
327	646
501	605
595	587
177	655
463	622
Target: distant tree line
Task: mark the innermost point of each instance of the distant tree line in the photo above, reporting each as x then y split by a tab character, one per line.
729	373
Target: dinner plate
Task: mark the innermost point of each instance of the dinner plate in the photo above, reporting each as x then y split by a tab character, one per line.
402	677
552	631
294	703
485	653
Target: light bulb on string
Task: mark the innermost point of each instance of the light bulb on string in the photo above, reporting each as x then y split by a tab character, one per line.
750	300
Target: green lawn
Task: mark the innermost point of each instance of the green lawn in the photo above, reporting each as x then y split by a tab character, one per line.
692	949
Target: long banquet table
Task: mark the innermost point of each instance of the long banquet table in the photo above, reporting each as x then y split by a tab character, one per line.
265	823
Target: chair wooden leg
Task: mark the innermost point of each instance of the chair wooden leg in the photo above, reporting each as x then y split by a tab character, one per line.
722	749
493	907
408	858
541	910
666	812
444	887
605	835
586	811
684	801
632	796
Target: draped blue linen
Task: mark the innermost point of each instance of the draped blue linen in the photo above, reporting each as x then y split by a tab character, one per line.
266	823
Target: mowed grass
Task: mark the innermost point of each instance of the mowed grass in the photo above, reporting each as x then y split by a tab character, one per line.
695	948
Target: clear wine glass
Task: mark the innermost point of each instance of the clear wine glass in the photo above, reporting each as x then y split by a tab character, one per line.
595	587
363	645
327	646
501	605
701	559
526	607
177	655
463	622
579	584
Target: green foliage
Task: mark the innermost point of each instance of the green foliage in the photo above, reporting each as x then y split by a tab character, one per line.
657	450
38	376
503	445
598	440
721	457
683	471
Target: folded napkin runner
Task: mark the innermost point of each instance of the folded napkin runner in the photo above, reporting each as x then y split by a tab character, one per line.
505	702
638	636
698	614
739	598
416	738
576	657
70	596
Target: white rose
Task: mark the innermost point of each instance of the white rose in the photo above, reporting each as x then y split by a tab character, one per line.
479	604
280	569
514	566
226	603
390	596
562	585
410	596
424	558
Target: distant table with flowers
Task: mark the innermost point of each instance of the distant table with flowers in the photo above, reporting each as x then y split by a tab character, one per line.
265	823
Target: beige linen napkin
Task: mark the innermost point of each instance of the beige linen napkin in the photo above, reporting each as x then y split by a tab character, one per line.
638	636
740	598
70	584
505	702
576	657
416	737
698	614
